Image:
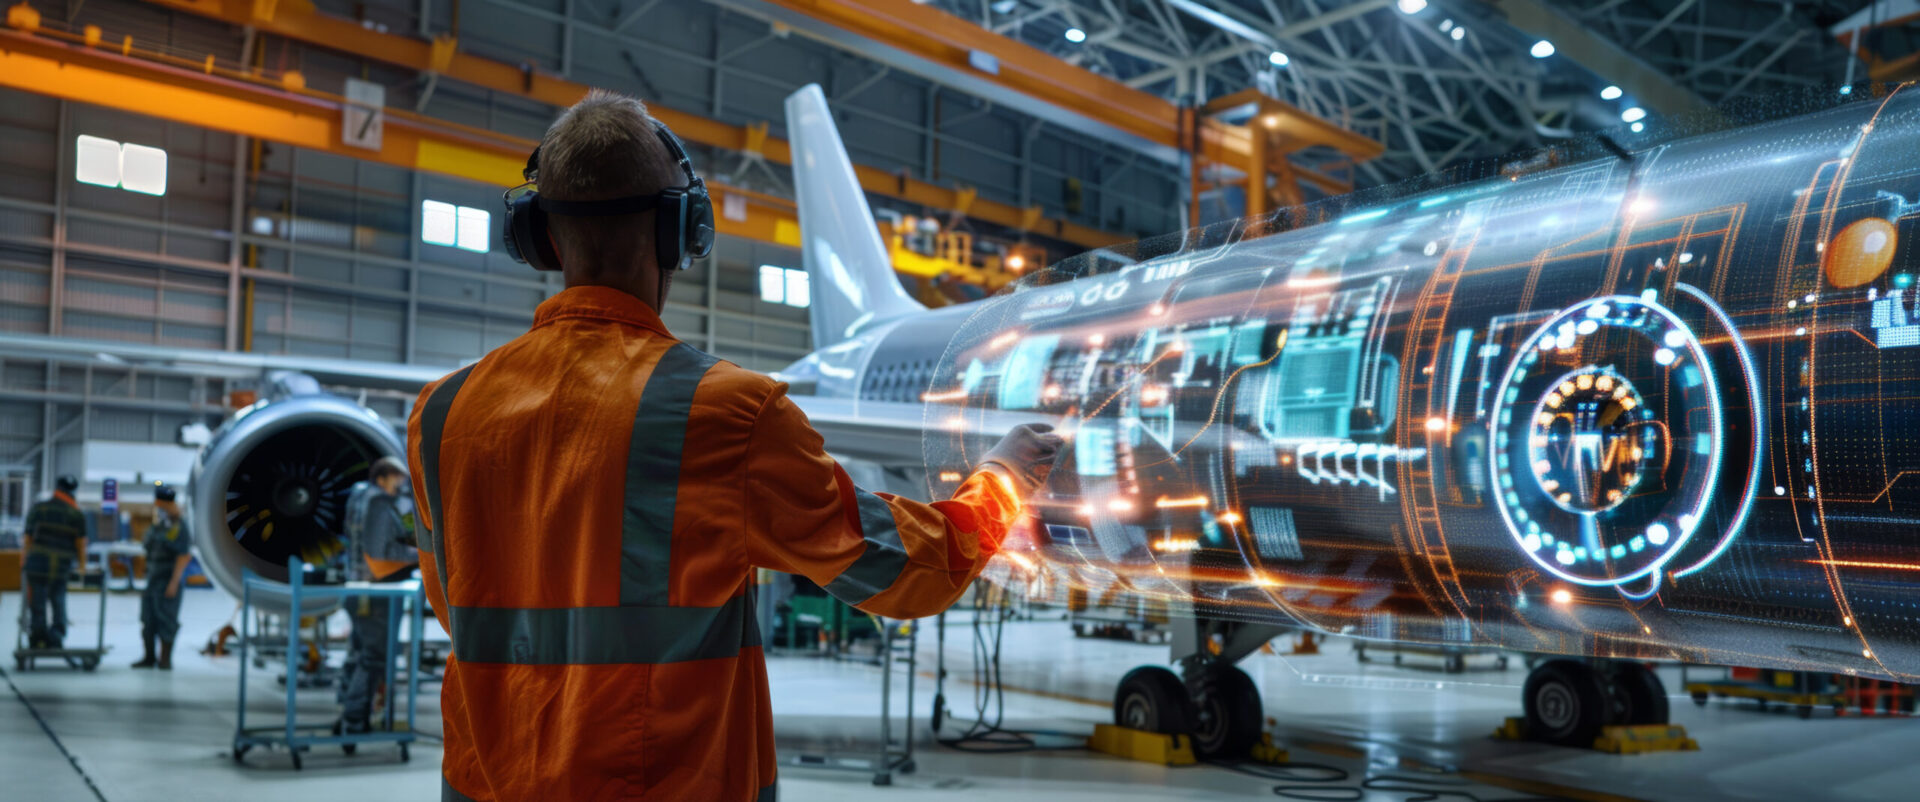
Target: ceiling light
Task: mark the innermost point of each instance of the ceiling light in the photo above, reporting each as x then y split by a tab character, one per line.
1076	36
1459	32
1611	93
1633	115
1846	90
1446	25
1638	127
1542	49
1004	6
1412	6
1278	59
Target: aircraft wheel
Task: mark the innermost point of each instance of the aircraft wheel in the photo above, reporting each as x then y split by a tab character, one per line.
1639	697
1230	715
1153	699
1565	702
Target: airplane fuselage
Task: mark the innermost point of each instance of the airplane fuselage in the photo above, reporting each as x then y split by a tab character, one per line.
1655	408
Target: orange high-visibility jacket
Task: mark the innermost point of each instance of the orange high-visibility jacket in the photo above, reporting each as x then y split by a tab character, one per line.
594	498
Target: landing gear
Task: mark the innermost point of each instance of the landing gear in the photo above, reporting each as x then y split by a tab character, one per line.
1638	695
1209	699
1230	714
1569	701
1153	699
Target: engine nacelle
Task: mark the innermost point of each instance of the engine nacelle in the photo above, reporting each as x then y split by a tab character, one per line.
273	483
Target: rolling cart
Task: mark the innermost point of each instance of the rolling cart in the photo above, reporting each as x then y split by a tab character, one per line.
894	755
290	733
24	655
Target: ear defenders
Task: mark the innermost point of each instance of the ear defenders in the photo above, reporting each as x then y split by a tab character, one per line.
683	215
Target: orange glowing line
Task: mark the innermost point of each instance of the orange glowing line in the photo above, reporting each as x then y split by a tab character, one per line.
1867	564
1220	398
1197	501
1003	340
949	395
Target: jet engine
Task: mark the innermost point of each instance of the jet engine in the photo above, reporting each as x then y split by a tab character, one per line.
273	484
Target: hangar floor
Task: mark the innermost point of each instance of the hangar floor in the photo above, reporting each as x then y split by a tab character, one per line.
143	735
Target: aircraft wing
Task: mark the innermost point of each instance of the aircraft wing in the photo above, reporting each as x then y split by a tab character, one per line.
226	364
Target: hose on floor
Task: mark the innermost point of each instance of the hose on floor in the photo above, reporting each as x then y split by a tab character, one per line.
44	727
988	733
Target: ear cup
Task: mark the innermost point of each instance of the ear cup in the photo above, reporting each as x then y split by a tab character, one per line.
699	228
524	232
669	227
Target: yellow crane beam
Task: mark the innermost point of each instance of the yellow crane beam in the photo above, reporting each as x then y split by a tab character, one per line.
298	20
122	76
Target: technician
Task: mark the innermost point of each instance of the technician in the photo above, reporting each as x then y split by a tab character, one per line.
596	494
169	549
379	550
55	537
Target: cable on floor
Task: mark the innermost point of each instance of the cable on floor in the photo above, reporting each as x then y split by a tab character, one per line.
44	727
988	733
1318	782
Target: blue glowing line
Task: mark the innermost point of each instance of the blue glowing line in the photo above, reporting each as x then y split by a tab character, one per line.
1759	429
1462	344
1435	201
1653	586
1364	216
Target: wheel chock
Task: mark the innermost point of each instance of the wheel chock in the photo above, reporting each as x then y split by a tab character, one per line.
1638	739
1619	739
1146	747
1266	751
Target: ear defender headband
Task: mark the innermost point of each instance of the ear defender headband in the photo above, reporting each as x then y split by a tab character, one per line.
683	215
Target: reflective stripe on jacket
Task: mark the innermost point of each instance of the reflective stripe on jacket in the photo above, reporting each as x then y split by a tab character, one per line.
594	498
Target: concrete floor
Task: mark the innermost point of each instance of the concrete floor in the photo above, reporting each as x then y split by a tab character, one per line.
144	735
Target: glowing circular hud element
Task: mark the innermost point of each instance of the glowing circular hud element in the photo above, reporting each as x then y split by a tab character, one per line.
1860	252
1592	440
1606	441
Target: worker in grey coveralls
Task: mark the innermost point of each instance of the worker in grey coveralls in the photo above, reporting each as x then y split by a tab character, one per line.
169	549
379	542
55	539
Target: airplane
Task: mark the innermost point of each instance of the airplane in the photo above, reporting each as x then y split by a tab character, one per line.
1643	408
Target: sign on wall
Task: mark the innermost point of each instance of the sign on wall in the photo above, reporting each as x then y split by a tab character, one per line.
364	114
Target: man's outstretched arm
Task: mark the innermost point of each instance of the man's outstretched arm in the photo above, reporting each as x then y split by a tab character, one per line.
884	554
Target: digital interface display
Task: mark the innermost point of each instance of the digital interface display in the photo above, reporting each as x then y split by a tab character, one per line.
1659	407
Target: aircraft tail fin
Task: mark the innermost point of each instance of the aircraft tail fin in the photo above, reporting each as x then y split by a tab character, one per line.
852	278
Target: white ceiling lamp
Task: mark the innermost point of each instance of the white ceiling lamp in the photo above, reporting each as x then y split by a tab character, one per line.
1633	115
1542	49
1076	36
1459	32
1278	59
1412	6
1611	93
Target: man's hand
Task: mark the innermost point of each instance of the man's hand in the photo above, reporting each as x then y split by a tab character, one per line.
173	589
1025	456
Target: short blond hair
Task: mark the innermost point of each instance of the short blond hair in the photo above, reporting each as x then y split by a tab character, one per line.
605	146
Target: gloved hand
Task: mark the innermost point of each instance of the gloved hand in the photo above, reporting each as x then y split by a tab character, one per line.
1025	456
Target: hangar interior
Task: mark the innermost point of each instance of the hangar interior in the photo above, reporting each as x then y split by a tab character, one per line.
213	209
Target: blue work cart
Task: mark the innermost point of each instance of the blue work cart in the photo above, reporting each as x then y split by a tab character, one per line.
298	737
